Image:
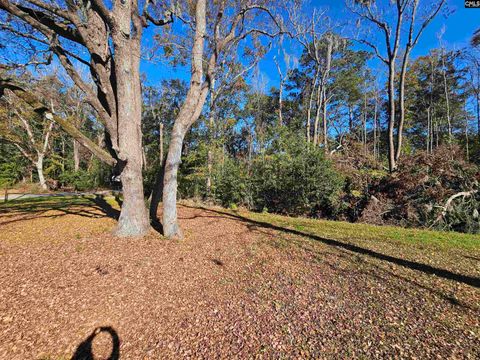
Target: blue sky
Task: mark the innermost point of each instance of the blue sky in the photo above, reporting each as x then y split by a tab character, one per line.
459	27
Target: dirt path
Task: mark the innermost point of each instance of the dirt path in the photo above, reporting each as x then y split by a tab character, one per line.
229	290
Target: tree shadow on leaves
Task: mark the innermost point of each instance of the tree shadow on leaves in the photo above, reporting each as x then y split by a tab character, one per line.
84	350
425	268
85	206
105	207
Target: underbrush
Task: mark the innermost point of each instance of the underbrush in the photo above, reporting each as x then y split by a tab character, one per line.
433	191
437	191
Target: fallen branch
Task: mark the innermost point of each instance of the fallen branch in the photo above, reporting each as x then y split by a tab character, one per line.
449	202
338	148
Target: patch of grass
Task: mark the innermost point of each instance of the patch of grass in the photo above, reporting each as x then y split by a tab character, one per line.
114	202
44	202
54	202
59	200
370	233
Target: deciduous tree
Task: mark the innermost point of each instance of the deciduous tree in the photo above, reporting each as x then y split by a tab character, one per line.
104	38
215	30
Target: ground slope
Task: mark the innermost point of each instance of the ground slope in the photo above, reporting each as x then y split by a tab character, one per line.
240	285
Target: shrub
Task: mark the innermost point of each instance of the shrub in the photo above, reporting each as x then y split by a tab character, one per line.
230	183
360	171
193	174
297	181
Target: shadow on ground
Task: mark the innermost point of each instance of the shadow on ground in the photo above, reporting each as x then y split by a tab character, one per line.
98	206
424	268
86	206
84	350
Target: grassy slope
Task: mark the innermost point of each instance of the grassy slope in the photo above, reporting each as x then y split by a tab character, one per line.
431	252
371	233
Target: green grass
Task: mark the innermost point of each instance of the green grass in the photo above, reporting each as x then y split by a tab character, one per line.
355	233
21	202
31	205
55	202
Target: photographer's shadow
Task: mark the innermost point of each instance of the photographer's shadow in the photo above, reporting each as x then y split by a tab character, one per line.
84	350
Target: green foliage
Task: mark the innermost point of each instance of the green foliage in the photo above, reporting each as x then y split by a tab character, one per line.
54	166
231	183
10	173
296	181
80	180
12	165
290	178
150	177
193	173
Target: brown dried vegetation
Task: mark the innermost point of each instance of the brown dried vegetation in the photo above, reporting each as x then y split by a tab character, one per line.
234	288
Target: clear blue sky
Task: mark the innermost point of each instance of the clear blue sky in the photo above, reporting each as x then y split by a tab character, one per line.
459	27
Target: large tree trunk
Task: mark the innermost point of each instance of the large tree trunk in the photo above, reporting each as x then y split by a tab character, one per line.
133	219
41	177
391	118
171	228
189	113
76	155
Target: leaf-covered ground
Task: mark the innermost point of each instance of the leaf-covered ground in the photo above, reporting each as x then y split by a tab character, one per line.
241	285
